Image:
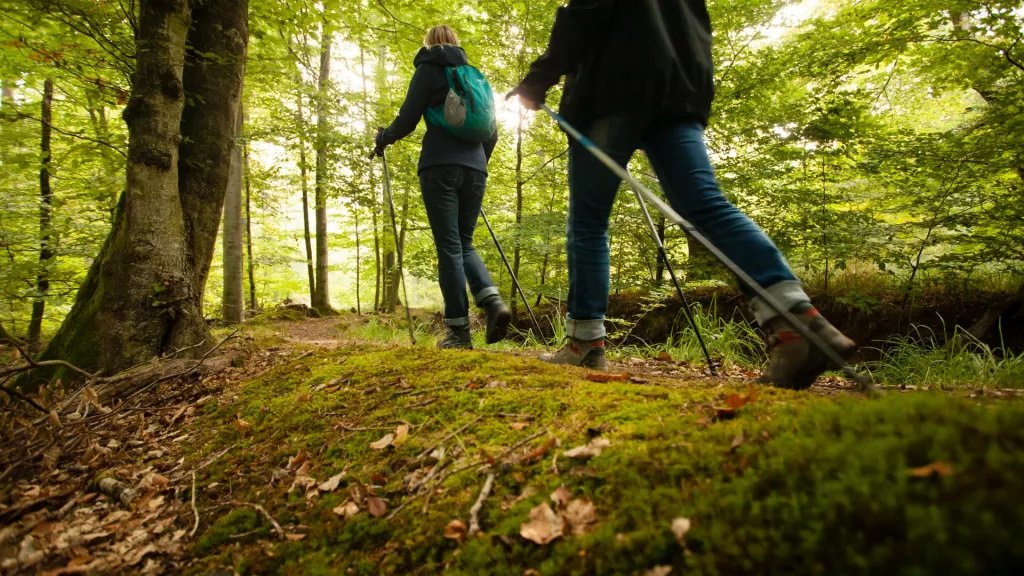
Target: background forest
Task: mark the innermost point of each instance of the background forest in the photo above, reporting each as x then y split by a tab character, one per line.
878	143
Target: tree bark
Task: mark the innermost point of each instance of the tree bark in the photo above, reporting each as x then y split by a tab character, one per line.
46	253
359	304
321	296
233	300
248	231
143	294
304	177
516	251
659	269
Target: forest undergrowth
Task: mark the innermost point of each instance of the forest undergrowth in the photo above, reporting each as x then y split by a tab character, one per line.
333	446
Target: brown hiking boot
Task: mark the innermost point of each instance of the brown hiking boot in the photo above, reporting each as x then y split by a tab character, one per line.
794	362
579	353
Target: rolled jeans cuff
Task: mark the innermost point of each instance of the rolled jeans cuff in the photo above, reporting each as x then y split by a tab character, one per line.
485	294
789	293
586	330
457	322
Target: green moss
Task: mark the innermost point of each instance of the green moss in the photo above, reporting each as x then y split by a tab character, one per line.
238	521
813	485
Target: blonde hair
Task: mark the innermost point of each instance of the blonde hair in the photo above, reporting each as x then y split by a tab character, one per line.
442	35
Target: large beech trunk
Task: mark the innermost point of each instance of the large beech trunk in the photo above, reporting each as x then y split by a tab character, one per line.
143	294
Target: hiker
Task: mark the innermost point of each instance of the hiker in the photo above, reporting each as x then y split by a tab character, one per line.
640	76
453	176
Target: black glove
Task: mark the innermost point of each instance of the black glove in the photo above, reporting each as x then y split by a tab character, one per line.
378	147
531	93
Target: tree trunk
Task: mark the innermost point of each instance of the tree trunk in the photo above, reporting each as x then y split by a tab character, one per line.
46	253
6	336
396	276
233	300
659	269
359	304
304	177
321	296
143	294
516	251
248	232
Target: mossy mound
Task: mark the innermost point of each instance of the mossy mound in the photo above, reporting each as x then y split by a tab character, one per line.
793	483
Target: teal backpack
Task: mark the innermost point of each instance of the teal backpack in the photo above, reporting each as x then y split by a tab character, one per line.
468	111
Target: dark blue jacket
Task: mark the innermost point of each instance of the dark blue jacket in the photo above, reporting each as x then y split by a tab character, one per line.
428	88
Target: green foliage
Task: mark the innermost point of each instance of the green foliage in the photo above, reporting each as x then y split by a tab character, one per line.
236	522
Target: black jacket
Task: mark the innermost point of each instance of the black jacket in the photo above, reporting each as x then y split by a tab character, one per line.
428	88
630	55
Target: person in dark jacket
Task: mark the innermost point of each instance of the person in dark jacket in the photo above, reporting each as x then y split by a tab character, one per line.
639	75
453	176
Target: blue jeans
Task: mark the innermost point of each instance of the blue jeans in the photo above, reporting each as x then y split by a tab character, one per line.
680	159
453	196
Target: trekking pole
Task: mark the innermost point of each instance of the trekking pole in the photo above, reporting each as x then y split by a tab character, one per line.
512	274
805	331
398	248
686	305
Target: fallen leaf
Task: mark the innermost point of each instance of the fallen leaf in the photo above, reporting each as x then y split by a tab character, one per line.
938	468
376	506
294	537
531	572
383	443
156	502
347	510
680	526
51	457
455	530
638	380
604	377
580	514
401	434
544	526
496	384
736	442
561	497
540	451
735	400
519	425
303	481
664	356
242	426
659	571
379	479
297	460
589	450
331	484
55	419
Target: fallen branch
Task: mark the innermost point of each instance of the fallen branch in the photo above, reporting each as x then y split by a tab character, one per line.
11	392
262	510
194	509
205	464
474	512
116	490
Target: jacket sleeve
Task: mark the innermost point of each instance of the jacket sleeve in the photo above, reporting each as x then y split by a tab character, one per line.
576	30
490	144
412	109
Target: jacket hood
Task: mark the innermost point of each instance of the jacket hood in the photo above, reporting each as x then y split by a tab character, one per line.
441	56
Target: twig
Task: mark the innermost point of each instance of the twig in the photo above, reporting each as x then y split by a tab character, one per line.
207	463
262	510
427	452
194	509
15	394
29	458
506	453
396	19
523	417
554	463
474	512
417	392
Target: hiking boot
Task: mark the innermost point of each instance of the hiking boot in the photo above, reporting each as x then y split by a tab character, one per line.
498	319
794	362
458	338
579	353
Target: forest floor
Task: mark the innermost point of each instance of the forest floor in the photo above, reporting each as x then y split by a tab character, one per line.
314	451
